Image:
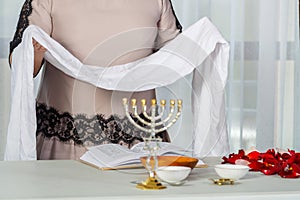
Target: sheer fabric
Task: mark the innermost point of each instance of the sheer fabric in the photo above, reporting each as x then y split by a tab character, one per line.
263	89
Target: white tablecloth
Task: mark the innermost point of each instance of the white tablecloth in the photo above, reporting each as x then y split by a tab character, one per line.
75	180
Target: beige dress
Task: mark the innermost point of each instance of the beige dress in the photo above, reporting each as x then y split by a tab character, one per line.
71	114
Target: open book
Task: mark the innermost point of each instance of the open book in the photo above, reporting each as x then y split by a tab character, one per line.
115	156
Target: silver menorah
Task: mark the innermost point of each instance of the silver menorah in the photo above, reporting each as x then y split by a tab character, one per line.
153	123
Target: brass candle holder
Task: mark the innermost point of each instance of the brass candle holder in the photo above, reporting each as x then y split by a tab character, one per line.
152	123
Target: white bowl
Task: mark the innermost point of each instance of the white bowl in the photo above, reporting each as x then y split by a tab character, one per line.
230	171
173	174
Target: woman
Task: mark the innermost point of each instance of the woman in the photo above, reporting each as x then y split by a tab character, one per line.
72	114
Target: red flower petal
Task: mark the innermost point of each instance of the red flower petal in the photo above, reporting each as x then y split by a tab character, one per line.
289	174
296	168
271	169
287	164
254	155
233	157
256	166
286	156
297	159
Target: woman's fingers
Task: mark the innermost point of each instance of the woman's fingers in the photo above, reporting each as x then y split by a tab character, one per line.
41	48
37	46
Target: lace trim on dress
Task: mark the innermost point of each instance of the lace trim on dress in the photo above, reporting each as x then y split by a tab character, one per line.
87	131
23	23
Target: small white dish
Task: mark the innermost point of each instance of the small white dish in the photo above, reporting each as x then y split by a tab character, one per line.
177	183
173	174
229	171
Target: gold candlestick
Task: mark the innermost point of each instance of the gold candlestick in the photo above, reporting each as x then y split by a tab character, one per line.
157	124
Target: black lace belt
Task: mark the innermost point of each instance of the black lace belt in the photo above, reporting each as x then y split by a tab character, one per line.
85	130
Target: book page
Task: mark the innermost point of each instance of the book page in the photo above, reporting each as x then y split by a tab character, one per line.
89	158
165	148
114	154
170	149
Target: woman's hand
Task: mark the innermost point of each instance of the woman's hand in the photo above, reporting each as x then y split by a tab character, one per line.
39	52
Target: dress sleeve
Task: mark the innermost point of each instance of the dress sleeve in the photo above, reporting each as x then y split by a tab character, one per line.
36	12
168	25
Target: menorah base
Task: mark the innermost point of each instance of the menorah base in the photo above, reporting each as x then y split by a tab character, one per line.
151	184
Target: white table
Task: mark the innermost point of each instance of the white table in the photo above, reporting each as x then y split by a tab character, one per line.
74	180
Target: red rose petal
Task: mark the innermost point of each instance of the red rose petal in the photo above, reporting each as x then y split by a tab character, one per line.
289	174
256	166
254	155
297	158
296	168
286	164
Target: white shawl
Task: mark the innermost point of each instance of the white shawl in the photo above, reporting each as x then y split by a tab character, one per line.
201	45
